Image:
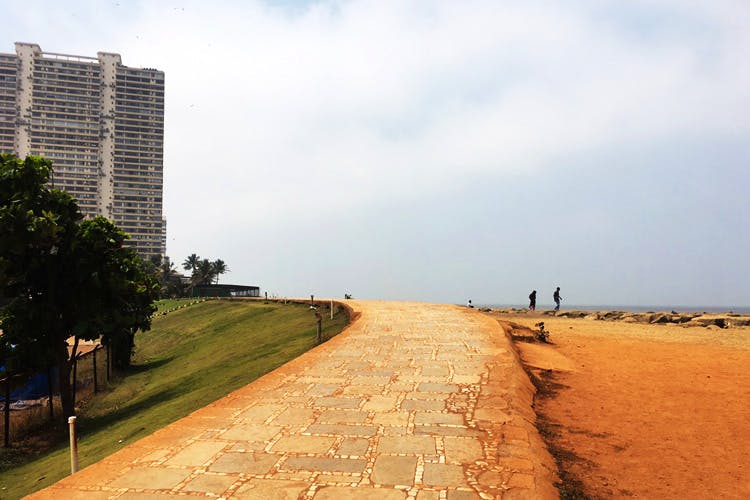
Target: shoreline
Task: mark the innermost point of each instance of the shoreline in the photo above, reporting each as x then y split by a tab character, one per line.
684	319
681	309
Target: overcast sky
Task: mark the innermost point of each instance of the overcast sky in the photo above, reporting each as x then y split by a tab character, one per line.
445	150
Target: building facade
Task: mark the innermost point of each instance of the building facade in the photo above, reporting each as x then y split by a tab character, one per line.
101	124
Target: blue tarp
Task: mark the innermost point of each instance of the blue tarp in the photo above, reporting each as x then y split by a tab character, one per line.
35	387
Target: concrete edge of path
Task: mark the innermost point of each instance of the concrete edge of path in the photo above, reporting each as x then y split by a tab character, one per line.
520	428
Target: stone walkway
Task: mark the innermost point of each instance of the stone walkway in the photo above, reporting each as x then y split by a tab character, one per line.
412	401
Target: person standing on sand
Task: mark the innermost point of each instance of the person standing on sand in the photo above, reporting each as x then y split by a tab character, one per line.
557	298
532	301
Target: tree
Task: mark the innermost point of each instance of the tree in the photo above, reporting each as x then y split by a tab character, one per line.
171	285
191	263
63	278
204	273
220	267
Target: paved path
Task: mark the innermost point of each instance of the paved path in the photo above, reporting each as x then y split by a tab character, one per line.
412	401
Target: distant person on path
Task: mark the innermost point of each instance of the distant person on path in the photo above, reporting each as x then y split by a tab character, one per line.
532	301
557	298
470	305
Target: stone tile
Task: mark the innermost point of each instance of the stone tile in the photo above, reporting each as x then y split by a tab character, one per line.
142	496
250	432
428	495
433	387
259	413
343	403
295	416
443	475
256	489
392	418
463	495
430	405
154	456
152	478
322	380
409	445
348	493
325	464
304	444
353	446
435	370
245	463
393	471
209	483
397	387
462	449
342	430
380	403
370	380
362	390
342	417
197	453
439	418
394	431
434	396
324	389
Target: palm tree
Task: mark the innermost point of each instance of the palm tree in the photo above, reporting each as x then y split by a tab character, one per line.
220	267
204	273
191	263
166	269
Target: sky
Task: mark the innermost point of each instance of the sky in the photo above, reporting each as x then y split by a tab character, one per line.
445	150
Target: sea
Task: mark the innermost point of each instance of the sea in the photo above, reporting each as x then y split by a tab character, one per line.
679	309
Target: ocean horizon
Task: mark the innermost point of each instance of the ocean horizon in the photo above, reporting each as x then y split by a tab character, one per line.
631	308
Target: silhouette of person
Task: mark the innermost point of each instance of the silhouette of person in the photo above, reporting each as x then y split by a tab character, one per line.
557	298
532	301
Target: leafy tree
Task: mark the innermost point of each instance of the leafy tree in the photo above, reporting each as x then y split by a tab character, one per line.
62	278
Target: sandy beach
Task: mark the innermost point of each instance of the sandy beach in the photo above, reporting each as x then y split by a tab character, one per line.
639	410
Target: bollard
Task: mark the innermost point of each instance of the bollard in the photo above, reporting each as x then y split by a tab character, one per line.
331	308
73	445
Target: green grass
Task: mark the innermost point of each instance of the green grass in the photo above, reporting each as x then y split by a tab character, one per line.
190	358
167	304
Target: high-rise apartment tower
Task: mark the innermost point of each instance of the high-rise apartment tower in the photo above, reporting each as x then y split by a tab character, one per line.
101	124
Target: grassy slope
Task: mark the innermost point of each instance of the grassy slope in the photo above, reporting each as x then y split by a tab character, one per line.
191	357
166	304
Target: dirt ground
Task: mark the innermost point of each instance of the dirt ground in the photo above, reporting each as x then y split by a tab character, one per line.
644	411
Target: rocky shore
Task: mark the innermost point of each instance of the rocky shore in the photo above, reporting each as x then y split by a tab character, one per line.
723	320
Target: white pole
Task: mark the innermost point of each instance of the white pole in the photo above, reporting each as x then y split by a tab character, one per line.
73	445
331	308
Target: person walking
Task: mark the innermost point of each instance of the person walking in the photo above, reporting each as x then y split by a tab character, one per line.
557	298
532	301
